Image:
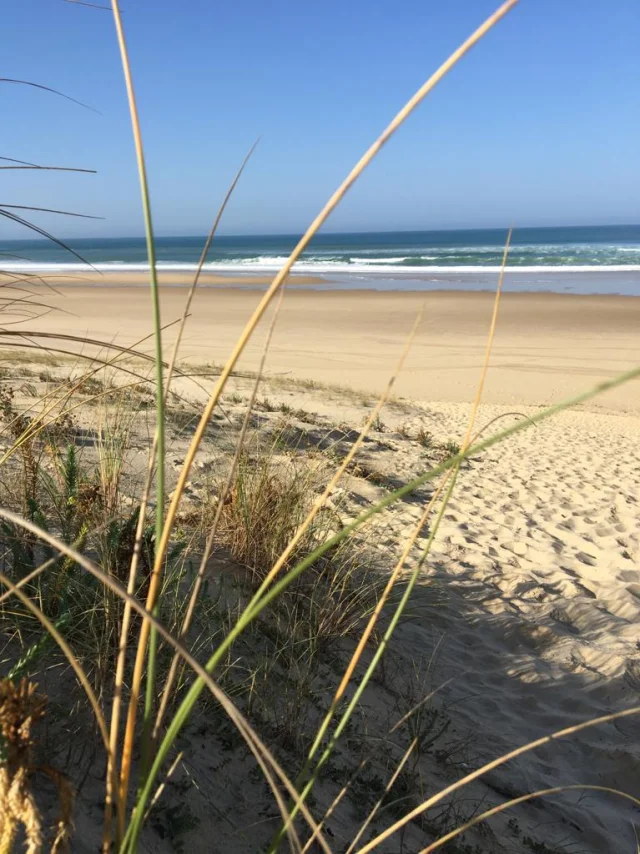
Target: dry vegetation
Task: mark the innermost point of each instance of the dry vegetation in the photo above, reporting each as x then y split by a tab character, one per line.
78	477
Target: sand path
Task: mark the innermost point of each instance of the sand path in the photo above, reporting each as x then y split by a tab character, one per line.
532	604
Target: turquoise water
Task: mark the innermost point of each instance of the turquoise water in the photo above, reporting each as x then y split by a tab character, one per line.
590	259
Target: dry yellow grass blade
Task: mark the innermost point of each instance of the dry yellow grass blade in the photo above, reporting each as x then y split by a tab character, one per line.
501	760
121	659
541	793
259	750
450	479
373	620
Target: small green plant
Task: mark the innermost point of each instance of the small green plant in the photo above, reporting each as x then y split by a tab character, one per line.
538	847
451	448
173	822
265	405
513	826
369	473
234	397
378	425
425	438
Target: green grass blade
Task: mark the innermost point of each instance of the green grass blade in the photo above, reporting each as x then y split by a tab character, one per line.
159	379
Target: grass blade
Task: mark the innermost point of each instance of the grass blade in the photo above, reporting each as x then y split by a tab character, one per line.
90	5
350	669
201	262
541	793
41	231
52	169
160	427
48	89
45	210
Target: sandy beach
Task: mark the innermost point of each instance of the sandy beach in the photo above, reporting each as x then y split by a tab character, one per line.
527	611
547	346
169	278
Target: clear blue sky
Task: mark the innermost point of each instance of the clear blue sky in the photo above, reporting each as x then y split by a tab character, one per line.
540	124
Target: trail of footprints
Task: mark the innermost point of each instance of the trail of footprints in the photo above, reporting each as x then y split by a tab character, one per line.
538	619
528	609
550	521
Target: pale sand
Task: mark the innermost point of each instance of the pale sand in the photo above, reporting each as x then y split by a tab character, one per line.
527	612
547	346
530	603
165	277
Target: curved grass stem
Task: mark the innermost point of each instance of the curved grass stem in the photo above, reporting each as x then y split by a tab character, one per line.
160	442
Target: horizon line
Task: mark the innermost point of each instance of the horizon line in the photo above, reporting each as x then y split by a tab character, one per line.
333	233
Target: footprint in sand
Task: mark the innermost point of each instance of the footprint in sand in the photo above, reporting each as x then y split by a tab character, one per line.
634	589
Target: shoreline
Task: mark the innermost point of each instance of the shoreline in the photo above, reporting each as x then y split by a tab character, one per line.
167	279
547	346
422	280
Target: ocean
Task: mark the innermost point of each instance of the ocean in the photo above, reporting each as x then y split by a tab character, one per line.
590	259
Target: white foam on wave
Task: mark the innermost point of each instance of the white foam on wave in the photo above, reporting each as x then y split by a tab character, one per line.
398	260
271	264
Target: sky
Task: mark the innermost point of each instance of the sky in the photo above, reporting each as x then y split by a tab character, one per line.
538	125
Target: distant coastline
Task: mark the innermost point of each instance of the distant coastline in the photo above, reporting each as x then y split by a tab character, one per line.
588	260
